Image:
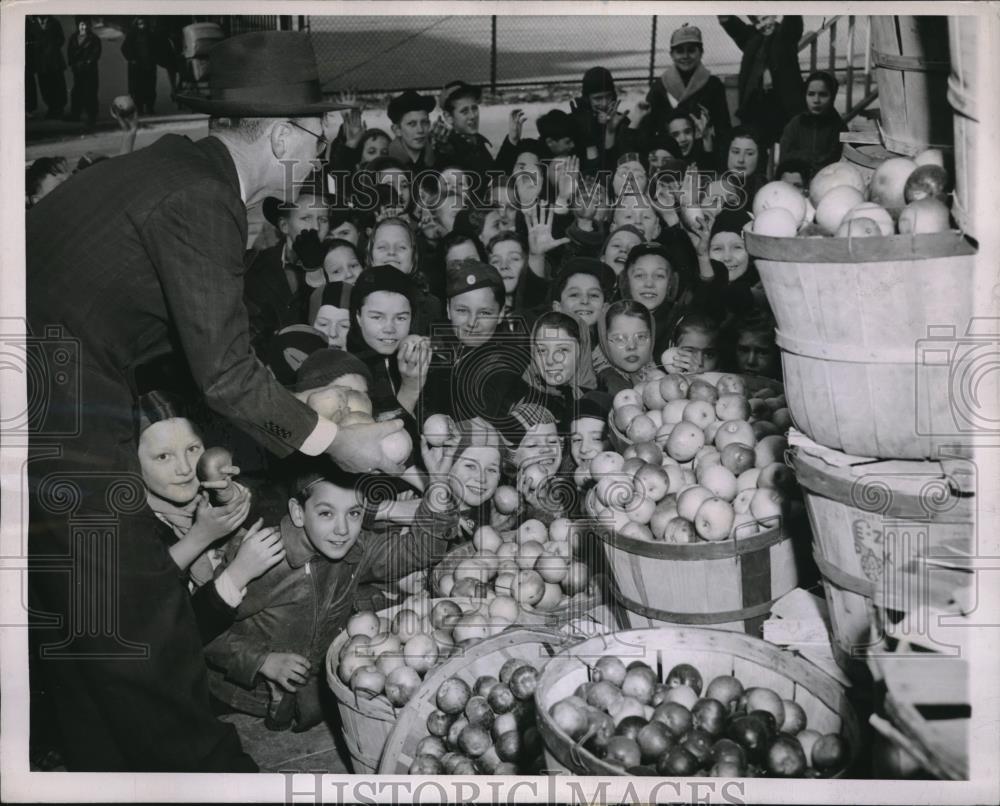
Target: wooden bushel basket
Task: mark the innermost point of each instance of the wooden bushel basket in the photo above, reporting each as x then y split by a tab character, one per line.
712	653
367	723
962	95
911	58
872	524
864	327
729	585
534	646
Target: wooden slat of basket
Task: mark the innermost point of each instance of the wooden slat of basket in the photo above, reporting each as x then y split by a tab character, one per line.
485	658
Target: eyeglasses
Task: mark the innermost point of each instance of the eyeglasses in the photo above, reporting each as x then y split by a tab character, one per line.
621	340
321	141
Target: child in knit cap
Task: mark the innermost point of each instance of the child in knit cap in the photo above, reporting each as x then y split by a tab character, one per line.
814	135
411	125
290	347
599	125
588	433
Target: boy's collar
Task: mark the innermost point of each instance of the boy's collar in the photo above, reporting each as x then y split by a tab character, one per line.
298	549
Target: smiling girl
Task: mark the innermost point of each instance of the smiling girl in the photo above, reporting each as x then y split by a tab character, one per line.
392	243
625	354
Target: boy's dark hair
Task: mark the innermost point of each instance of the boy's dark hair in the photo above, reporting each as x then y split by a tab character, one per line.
507	235
304	472
754	321
454	238
677	114
695	320
361	219
794	166
385	164
472	220
339	243
555	125
372	134
39	169
387	195
827	78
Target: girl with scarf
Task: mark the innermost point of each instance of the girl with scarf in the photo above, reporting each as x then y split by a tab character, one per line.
169	449
624	356
743	158
687	86
330	312
619	243
651	279
392	243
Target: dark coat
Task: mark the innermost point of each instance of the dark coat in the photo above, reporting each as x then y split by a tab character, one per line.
814	138
83	56
47	42
271	303
712	96
149	260
778	53
304	602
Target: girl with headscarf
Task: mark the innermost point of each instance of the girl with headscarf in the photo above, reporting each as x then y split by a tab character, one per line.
624	356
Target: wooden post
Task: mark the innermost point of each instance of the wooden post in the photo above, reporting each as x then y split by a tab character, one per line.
493	55
850	61
652	52
833	48
813	52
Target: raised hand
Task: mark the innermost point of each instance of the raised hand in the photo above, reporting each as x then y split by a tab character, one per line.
516	125
540	239
569	180
259	552
212	523
353	127
639	112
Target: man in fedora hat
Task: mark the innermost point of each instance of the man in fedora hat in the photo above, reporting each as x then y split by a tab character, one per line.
411	123
140	257
460	144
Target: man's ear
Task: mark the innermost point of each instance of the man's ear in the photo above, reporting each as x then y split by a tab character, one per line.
280	132
296	513
283	226
557	306
448	118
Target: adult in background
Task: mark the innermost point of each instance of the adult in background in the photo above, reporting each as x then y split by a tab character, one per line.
47	34
771	90
140	51
686	86
83	52
143	268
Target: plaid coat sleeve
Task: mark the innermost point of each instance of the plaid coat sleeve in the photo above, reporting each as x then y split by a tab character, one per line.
193	239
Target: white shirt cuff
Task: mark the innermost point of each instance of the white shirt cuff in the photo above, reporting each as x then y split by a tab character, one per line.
320	439
228	591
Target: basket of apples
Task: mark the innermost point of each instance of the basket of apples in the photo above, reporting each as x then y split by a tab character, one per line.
854	290
475	714
379	661
533	565
695	518
692	702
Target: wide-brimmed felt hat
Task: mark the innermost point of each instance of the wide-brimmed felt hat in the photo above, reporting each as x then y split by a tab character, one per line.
261	75
409	101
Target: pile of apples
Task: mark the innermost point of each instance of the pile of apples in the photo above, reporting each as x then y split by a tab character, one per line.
908	196
706	462
487	728
627	717
388	657
531	568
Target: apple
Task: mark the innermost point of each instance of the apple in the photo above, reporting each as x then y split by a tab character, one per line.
699	412
606	463
858	228
731	406
926	182
531	530
769	450
437	429
834	206
625	415
737	458
673	412
626	397
714	519
401	684
651	395
636	531
775	222
653	481
641	429
874	212
766	506
720	481
739	431
674	387
690	499
888	183
365	623
833	175
685	441
486	538
782	196
701	389
649	452
776	476
924	216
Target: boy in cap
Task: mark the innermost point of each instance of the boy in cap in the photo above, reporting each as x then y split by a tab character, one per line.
411	124
465	348
461	143
556	130
686	86
599	125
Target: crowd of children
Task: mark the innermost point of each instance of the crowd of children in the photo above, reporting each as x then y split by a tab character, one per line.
513	288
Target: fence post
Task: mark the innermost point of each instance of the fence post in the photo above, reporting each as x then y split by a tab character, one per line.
652	52
493	55
850	61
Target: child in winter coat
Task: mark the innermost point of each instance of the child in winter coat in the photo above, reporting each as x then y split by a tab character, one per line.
814	135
